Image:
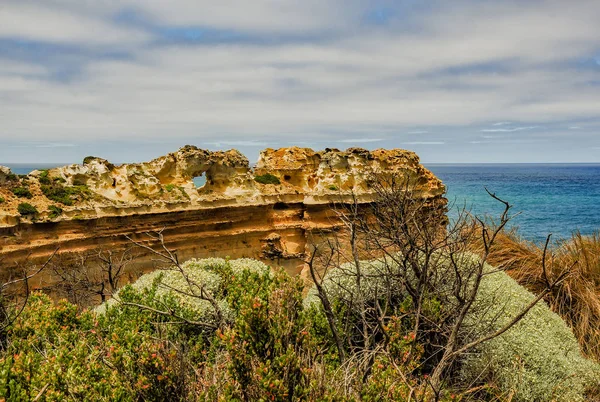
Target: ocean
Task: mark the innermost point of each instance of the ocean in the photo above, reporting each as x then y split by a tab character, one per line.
551	198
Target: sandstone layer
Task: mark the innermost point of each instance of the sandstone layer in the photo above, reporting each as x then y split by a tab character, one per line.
266	212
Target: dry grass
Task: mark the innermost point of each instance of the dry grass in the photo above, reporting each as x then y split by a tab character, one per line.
577	299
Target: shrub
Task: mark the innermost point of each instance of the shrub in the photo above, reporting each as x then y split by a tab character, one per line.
65	195
27	209
170	187
267	178
539	358
577	299
84	357
2	200
43	177
536	359
332	187
23	192
54	211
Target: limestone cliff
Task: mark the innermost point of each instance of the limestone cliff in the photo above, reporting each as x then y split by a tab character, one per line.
262	212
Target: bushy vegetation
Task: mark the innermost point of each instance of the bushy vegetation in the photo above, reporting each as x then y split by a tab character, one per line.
44	178
577	299
65	195
538	359
261	340
22	192
54	211
267	178
27	209
2	200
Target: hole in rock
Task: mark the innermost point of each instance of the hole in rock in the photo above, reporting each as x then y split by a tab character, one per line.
199	181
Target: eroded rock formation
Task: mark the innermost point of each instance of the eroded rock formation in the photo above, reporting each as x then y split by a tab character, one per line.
265	212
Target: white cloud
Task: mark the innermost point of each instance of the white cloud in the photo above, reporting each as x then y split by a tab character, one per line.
465	64
360	140
425	143
41	22
507	130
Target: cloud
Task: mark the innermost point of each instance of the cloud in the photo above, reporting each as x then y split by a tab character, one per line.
360	140
41	22
239	75
507	130
238	143
425	143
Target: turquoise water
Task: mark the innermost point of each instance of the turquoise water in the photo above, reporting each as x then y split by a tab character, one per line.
557	199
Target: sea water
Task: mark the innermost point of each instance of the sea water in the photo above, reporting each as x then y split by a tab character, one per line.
550	198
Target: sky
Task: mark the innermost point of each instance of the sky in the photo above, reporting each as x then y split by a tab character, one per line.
455	81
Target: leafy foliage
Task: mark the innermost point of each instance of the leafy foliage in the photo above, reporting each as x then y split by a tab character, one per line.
43	177
274	344
65	195
54	211
27	209
539	358
267	178
22	192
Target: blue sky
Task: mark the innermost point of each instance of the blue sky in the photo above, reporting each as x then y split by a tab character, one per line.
455	81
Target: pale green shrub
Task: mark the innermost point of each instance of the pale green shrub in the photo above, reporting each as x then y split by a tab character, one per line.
539	358
340	283
206	273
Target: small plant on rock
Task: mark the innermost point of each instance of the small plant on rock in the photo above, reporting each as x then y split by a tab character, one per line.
27	209
54	211
43	177
22	192
267	178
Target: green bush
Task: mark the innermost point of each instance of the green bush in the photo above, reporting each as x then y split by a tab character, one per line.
66	195
267	178
2	200
27	209
22	192
54	211
43	177
170	187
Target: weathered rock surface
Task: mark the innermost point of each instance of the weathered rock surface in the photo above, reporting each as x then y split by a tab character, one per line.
233	214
